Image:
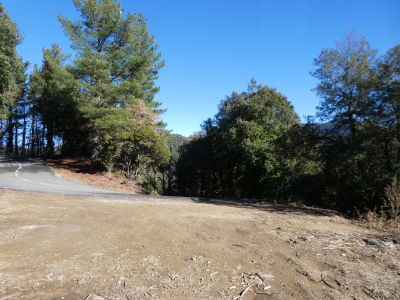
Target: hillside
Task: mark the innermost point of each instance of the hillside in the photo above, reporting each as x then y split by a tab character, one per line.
79	170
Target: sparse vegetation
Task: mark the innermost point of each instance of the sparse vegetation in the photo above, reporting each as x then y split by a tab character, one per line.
392	201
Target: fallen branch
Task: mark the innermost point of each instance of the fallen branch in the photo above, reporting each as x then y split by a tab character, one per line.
243	293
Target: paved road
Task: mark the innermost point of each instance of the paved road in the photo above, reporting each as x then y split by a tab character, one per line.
33	175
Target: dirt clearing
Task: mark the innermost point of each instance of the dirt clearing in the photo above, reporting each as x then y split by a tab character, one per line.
67	247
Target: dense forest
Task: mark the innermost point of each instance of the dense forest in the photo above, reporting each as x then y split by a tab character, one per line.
101	105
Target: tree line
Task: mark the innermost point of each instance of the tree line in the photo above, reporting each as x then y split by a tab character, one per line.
101	104
344	157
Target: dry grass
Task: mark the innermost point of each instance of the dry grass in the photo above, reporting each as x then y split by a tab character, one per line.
374	220
387	218
392	201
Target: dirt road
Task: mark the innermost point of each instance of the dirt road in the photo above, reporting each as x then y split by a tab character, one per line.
70	247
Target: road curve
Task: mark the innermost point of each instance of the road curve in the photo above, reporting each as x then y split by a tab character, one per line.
32	175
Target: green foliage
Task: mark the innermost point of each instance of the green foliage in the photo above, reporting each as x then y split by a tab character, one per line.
10	63
255	147
102	104
11	79
298	149
168	170
360	149
118	60
53	91
175	142
236	155
117	66
346	78
131	140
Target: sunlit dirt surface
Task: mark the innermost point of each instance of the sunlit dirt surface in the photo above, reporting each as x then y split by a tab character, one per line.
68	247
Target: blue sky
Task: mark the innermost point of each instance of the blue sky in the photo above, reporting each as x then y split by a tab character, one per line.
212	48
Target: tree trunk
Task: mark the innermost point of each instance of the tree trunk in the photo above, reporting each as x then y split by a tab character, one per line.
33	144
16	140
49	139
40	141
95	153
10	134
1	135
23	145
164	187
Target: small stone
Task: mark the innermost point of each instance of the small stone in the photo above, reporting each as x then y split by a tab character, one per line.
122	282
371	242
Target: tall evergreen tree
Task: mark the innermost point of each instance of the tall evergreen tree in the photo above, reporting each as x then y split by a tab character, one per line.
10	67
54	95
117	66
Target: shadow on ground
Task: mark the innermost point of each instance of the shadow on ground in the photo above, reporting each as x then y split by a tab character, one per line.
77	165
291	208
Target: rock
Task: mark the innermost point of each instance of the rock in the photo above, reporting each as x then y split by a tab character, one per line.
122	282
302	238
391	240
371	242
393	267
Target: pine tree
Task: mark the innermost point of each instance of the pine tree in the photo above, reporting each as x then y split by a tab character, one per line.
53	91
117	65
10	66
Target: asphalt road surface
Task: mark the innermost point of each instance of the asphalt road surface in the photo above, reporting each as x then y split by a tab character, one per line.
33	175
